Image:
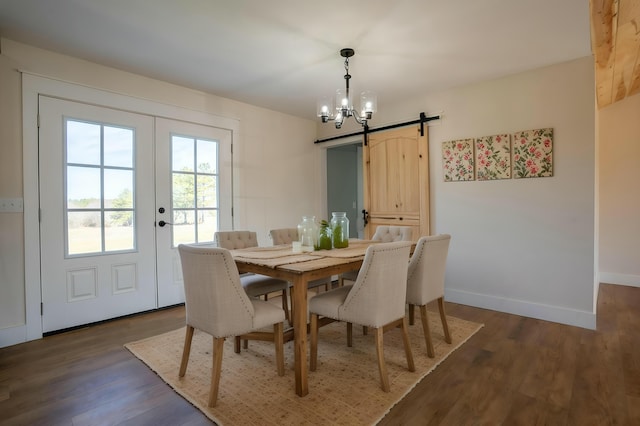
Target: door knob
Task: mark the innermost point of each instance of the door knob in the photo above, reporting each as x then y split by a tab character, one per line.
162	223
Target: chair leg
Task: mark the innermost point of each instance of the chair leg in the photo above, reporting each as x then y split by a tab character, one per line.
382	367
285	305
186	351
278	340
349	334
412	309
407	346
293	313
313	355
443	317
236	344
216	369
365	330
427	331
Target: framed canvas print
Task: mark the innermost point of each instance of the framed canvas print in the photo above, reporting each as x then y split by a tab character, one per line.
532	153
493	157
457	160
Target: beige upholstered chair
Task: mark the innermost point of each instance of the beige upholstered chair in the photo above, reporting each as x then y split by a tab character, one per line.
376	300
386	234
425	282
216	304
255	285
288	235
284	235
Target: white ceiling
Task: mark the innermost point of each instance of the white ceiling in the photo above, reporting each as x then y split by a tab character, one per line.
284	54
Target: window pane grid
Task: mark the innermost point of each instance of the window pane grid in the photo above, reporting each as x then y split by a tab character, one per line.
194	189
99	188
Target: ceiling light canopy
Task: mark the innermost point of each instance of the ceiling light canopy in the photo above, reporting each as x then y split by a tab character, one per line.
343	106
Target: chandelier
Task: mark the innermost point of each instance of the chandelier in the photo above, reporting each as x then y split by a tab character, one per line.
343	107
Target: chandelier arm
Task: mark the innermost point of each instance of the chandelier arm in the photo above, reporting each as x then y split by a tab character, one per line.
356	116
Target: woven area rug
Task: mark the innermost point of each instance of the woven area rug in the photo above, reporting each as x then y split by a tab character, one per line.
344	390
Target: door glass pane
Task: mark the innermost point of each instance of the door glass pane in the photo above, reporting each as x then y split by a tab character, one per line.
182	154
84	232
100	192
183	192
83	142
194	189
184	230
83	187
118	188
118	147
207	224
207	156
207	191
118	232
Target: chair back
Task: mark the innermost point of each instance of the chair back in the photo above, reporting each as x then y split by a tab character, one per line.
232	240
284	235
425	277
215	301
387	234
378	296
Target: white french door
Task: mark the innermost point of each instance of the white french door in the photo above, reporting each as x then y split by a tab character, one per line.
193	195
96	202
108	180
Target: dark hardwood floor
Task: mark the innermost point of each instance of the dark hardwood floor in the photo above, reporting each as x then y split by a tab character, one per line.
515	370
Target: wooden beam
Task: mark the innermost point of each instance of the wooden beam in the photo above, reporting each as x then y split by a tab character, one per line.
615	42
627	40
603	30
630	16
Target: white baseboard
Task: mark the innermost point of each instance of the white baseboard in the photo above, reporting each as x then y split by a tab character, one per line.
620	279
584	319
13	335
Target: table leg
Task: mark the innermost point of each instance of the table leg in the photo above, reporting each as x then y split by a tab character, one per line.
300	334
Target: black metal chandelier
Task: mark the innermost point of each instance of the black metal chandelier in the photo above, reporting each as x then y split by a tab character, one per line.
343	106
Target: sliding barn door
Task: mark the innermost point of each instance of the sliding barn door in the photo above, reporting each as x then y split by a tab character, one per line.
396	180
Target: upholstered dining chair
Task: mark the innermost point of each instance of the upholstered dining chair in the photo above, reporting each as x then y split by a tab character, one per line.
216	304
425	282
255	285
386	234
287	236
376	300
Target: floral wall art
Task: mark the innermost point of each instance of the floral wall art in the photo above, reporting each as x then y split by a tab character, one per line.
532	153
457	160
523	154
493	157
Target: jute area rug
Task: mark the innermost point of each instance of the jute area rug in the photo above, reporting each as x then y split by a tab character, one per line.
344	390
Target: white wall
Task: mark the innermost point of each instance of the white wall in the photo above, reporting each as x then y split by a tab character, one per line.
267	194
12	307
524	246
619	194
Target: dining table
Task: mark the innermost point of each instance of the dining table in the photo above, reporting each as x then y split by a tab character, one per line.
298	268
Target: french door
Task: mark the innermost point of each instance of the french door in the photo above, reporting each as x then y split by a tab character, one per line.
107	180
193	195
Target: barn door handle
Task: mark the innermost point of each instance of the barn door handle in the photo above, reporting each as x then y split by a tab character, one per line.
365	217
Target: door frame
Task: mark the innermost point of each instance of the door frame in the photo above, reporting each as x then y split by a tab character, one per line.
33	86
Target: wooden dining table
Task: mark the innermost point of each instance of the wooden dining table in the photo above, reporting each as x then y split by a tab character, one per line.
299	268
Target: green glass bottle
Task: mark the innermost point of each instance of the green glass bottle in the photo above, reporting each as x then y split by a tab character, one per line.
324	236
340	229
